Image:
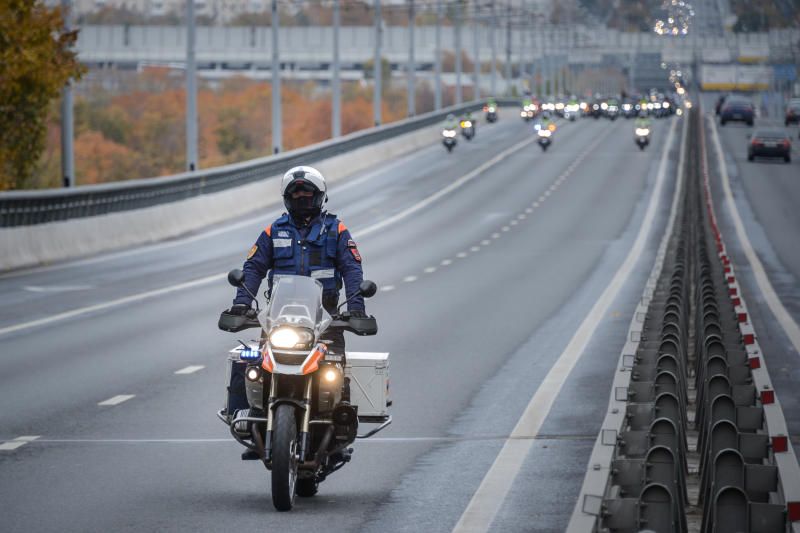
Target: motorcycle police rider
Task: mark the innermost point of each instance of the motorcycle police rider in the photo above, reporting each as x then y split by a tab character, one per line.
306	241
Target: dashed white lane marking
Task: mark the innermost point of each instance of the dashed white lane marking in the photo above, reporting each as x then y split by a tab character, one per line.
475	249
56	288
446	262
529	210
461	255
762	280
486	242
18	442
495	235
478	171
191	369
410	279
493	490
535	204
430	270
118	399
514	222
522	216
505	228
387	288
547	193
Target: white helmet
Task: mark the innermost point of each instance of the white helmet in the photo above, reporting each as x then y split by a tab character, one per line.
306	179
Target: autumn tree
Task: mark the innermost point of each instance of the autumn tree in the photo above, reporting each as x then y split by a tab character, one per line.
35	62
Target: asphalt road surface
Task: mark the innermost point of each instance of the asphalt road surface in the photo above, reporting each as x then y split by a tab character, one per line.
488	260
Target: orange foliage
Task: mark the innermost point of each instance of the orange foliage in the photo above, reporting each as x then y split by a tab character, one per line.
141	133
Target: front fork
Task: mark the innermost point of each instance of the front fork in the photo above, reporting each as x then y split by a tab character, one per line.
304	427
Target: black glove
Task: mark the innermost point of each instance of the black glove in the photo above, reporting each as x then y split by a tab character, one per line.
239	310
358	313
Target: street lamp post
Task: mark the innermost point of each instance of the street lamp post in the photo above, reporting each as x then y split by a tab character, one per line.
67	154
336	87
411	66
277	137
438	59
459	16
377	70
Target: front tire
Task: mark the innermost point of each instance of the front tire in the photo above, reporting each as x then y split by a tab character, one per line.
284	458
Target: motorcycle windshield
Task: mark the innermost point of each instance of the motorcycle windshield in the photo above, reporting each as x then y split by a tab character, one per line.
296	301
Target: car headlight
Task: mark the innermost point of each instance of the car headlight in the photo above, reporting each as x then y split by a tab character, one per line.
286	337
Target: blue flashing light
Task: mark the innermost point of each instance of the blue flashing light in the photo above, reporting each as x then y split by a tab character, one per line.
249	355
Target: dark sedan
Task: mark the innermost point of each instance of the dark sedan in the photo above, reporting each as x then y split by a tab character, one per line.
770	143
737	110
792	113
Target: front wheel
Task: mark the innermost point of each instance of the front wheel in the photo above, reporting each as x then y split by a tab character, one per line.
284	458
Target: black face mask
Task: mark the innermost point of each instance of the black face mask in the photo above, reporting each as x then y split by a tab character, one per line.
303	208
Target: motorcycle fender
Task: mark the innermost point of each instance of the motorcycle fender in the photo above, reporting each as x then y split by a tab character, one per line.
289	401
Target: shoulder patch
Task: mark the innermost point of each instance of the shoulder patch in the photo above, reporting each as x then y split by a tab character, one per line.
253	251
342	227
268	230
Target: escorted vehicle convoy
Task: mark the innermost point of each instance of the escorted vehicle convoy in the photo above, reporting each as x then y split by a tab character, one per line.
294	405
766	142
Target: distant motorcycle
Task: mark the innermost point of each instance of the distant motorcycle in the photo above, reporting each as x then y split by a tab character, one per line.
449	138
642	137
300	406
491	113
467	129
545	136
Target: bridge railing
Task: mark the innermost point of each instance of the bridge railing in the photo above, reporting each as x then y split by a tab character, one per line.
25	208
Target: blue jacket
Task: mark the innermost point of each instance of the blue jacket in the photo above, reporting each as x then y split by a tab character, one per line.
323	250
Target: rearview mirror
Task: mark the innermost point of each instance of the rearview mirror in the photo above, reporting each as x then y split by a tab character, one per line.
236	277
368	288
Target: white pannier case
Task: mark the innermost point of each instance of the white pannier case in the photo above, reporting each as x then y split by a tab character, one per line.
369	384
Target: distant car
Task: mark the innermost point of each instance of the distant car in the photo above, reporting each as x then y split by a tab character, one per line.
770	143
792	113
737	110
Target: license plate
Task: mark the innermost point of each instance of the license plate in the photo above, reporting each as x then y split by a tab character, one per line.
770	145
737	115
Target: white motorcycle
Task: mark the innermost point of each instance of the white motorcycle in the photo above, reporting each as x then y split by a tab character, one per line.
293	404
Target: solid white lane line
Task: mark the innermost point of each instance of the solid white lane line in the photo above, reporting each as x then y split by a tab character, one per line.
191	369
112	303
210	279
762	280
17	443
460	182
116	400
492	492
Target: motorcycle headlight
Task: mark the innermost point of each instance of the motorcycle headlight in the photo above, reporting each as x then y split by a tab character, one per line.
286	337
642	132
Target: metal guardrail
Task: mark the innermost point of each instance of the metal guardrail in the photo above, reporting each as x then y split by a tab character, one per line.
26	208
